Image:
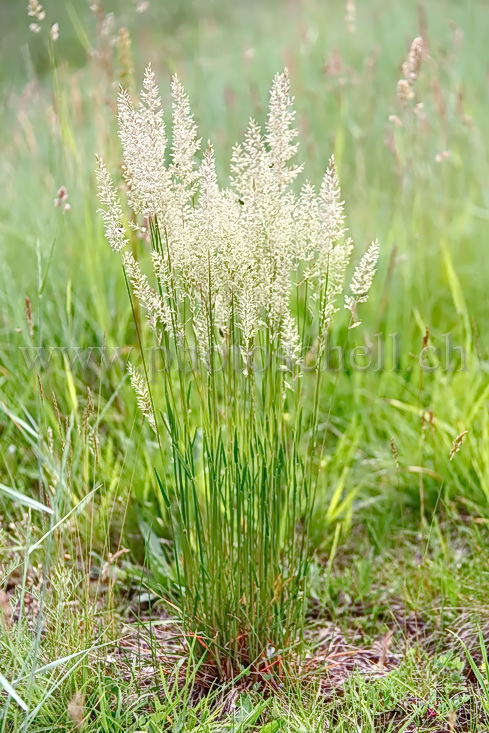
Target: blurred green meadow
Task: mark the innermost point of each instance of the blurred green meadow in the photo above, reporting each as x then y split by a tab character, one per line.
420	188
415	176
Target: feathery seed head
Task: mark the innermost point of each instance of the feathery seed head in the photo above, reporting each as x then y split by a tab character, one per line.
307	223
111	210
143	139
141	390
362	280
35	10
291	340
332	207
411	66
280	132
221	253
404	91
157	309
185	143
396	120
333	276
410	70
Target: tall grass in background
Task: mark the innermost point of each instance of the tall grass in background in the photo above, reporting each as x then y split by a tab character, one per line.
244	287
416	175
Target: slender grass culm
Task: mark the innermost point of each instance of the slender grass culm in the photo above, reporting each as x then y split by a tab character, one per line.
244	284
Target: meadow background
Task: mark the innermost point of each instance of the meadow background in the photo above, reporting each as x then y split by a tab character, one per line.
398	527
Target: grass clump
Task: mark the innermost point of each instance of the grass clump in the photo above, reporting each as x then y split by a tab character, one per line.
244	286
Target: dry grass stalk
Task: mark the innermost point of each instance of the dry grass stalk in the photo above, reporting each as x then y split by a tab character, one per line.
5	609
457	443
410	70
28	313
395	454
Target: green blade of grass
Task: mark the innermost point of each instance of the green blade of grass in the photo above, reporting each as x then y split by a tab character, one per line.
62	520
26	500
12	693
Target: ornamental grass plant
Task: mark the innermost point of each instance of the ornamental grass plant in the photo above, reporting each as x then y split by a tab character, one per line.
239	285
